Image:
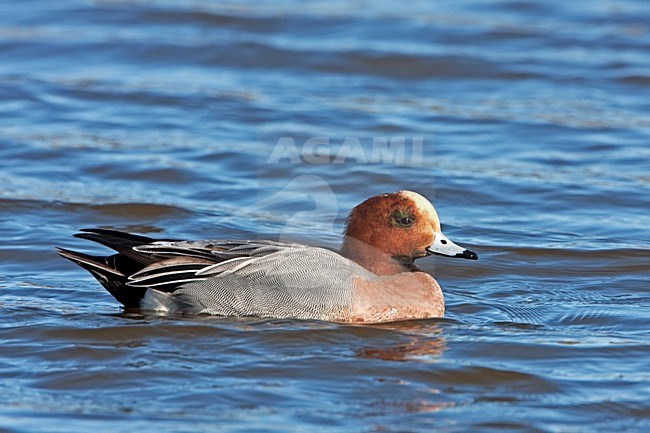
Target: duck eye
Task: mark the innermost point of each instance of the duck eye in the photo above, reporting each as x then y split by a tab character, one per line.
401	218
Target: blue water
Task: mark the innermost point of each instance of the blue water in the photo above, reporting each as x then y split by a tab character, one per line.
526	123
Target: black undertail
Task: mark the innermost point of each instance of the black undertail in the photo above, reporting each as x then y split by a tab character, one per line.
113	271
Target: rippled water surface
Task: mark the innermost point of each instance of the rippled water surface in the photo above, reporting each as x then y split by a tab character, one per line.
526	123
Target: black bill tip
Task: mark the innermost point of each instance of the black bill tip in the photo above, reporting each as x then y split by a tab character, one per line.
467	254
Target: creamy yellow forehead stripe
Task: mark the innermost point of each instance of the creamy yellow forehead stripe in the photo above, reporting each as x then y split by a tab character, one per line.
424	206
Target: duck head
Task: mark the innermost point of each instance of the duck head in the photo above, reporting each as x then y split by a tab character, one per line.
387	232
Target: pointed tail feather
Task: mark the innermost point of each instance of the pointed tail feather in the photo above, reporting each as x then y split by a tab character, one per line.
119	241
105	270
123	236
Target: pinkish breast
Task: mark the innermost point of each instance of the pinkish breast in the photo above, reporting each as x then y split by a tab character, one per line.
391	298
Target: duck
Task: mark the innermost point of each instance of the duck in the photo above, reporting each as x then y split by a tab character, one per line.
371	279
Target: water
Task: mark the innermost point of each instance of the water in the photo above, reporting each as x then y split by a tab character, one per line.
527	124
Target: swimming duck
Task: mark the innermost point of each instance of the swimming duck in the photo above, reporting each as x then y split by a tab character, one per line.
371	279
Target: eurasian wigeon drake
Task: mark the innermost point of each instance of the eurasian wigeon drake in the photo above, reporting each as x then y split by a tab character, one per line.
372	278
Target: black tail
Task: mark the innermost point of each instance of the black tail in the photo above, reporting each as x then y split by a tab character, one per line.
113	271
121	242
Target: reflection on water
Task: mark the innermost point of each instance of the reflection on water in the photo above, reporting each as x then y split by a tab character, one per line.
424	342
